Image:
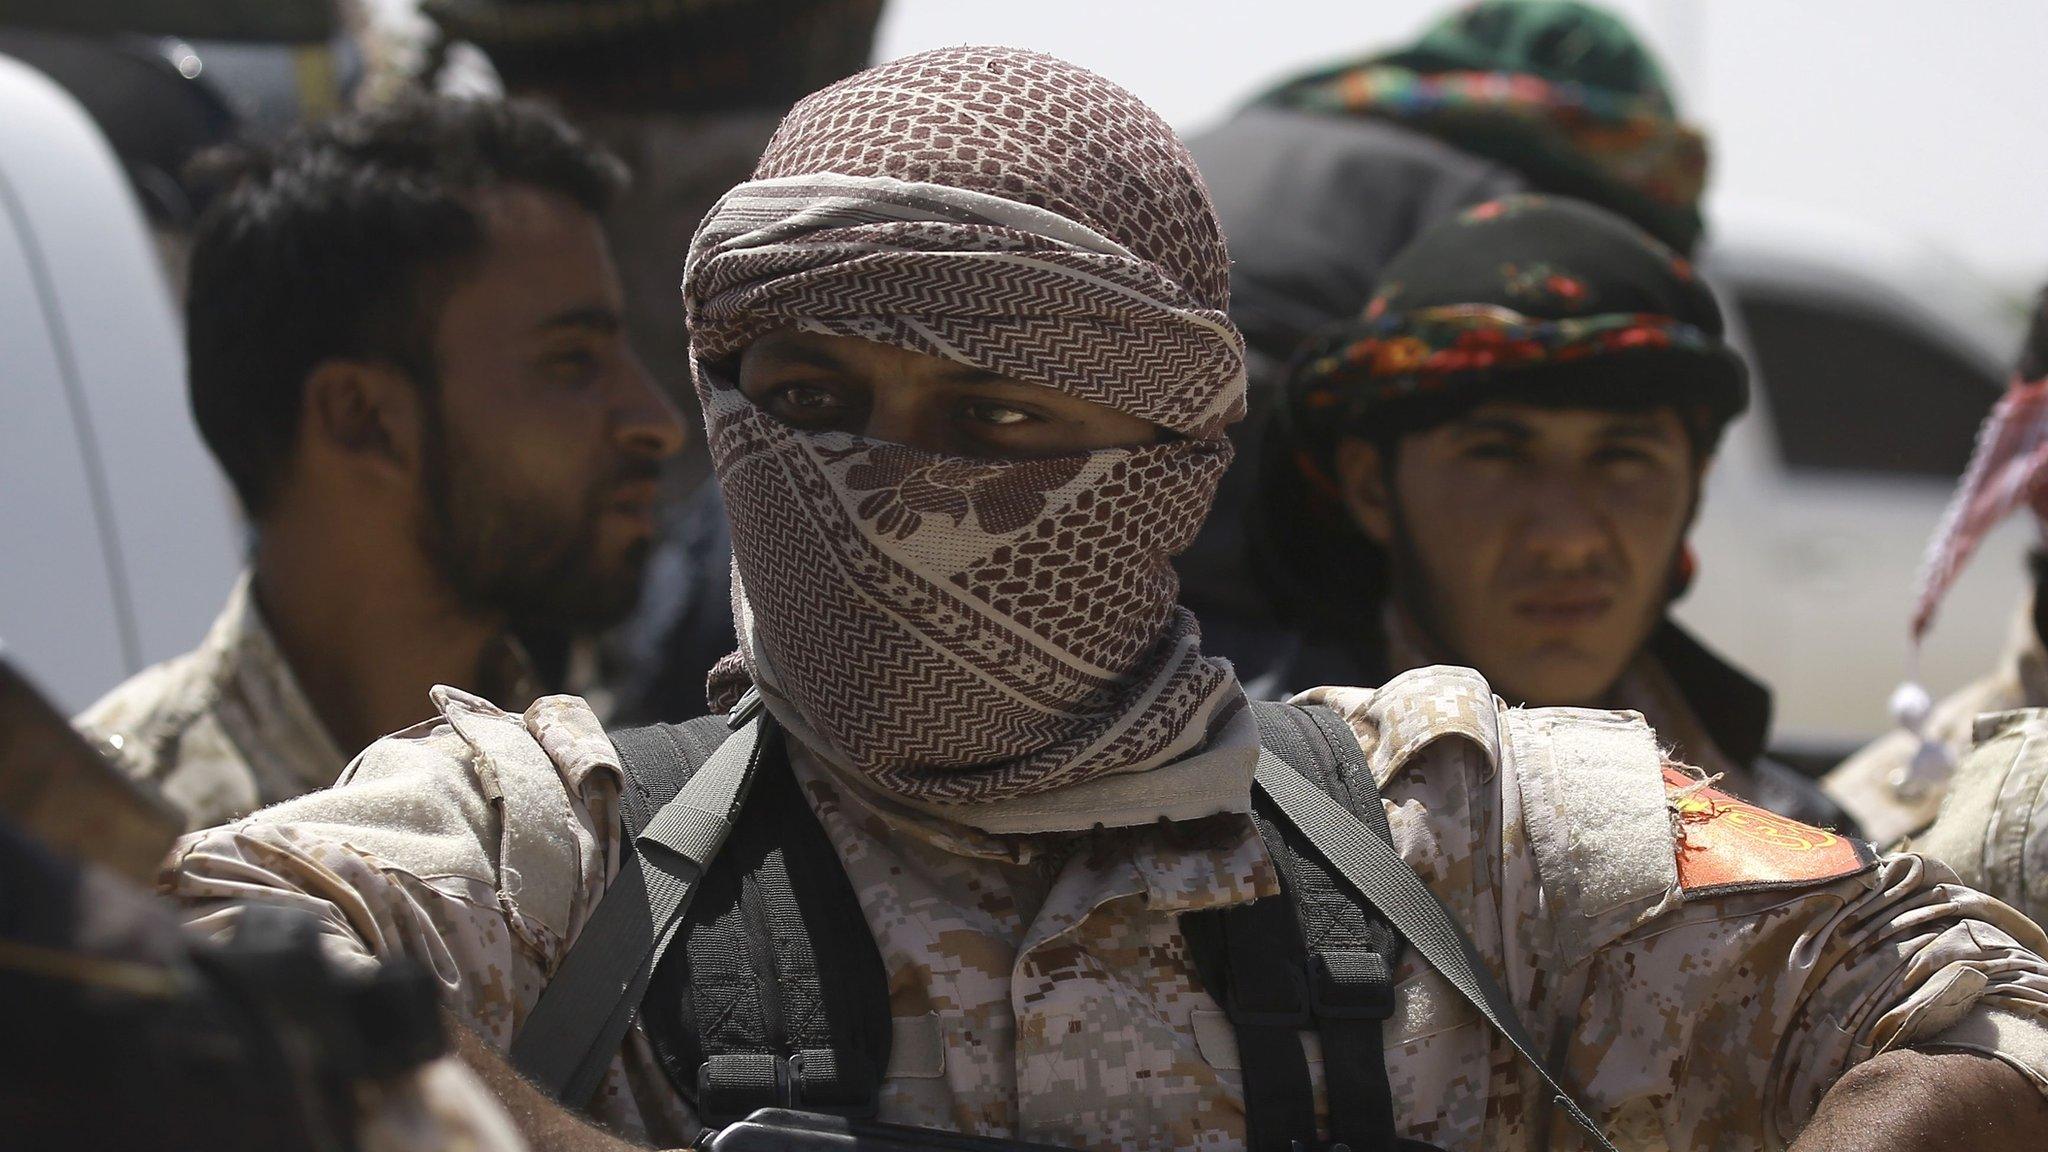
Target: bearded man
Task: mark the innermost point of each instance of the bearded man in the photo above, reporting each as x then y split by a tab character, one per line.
406	352
987	845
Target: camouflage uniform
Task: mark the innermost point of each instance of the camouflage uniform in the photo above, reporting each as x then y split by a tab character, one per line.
1993	829
1863	784
222	730
225	729
1041	986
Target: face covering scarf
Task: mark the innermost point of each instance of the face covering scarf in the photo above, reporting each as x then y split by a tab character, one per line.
959	630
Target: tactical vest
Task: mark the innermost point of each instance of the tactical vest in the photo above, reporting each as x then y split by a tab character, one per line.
742	1015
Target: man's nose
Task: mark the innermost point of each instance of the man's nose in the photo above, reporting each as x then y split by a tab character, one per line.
906	417
645	420
1564	523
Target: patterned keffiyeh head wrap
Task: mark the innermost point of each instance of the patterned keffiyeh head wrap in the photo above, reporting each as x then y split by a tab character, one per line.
954	629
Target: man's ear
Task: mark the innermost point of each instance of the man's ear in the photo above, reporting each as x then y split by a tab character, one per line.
364	416
1362	478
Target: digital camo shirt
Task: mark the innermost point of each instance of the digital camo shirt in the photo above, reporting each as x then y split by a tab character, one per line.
1699	981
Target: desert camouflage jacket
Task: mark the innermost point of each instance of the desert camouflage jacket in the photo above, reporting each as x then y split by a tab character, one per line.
223	729
1993	828
1702	971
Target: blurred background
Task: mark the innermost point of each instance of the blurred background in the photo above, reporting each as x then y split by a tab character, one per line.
1875	212
1874	219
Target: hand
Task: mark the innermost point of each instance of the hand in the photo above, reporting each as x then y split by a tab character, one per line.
1907	1100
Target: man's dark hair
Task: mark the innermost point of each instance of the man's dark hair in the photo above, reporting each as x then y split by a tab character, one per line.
342	243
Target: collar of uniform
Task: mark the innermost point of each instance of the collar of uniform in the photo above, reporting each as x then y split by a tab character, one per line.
1178	866
252	668
1414	710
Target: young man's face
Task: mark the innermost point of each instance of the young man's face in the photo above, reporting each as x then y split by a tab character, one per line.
1536	544
541	467
823	383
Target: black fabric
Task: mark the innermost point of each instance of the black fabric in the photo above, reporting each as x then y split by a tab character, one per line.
574	1030
1314	207
1313	958
658	760
1734	708
740	1012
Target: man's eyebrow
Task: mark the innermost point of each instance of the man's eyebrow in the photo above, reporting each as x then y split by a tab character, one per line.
595	318
799	356
1498	425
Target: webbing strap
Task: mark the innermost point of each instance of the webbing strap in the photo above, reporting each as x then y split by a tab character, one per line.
1267	999
576	1026
1371	865
1351	949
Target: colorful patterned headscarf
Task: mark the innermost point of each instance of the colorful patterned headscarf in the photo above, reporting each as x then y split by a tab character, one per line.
961	629
1561	92
1518	298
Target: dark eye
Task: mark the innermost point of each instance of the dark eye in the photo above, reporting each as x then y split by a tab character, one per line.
1500	450
804	405
997	415
573	366
804	398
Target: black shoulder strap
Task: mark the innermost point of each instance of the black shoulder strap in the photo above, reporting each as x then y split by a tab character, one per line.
1315	958
1352	950
579	1021
774	994
1363	854
659	759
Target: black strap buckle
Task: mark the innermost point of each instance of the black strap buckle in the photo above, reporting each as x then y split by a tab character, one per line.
1350	984
731	1085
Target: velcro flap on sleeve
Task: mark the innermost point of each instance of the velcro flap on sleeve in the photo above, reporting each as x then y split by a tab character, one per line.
1593	797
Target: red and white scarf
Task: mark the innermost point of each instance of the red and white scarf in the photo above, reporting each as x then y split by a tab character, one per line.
2008	469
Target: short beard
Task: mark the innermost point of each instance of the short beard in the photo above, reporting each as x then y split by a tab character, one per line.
519	560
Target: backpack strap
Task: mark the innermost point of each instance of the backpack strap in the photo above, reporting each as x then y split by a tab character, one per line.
1363	855
576	1026
1315	958
774	994
1352	950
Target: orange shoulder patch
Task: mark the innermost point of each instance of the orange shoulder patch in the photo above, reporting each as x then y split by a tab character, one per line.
1732	846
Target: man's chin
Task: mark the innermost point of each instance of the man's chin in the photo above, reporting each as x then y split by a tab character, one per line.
581	607
1557	678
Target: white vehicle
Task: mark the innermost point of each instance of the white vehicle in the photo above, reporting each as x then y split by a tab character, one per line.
1874	363
118	539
